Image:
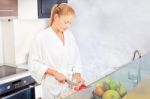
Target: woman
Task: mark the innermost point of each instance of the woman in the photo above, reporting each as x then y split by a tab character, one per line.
54	56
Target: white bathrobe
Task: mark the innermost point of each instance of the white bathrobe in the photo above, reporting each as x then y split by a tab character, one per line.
48	51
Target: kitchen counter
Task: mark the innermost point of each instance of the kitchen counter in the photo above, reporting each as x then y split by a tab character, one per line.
141	91
132	76
16	76
10	73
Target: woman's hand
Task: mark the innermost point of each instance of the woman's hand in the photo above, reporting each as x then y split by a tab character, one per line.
78	78
80	81
60	77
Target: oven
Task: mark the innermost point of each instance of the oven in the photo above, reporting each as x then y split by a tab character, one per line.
27	93
20	88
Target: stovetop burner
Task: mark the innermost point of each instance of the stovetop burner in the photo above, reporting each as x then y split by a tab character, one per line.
6	70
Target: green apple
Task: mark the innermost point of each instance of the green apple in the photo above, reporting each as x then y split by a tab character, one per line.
111	94
107	80
114	84
122	90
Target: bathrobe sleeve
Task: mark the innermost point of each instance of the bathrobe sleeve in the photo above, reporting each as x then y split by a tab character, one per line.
35	65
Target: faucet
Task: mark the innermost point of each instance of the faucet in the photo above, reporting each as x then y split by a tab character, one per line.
136	52
139	67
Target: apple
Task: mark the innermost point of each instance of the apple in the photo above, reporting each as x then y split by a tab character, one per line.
111	94
105	87
82	86
107	80
98	91
114	84
96	97
122	90
99	84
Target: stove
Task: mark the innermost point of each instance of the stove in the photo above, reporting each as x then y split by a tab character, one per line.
13	79
10	73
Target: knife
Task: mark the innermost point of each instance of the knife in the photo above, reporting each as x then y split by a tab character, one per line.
71	83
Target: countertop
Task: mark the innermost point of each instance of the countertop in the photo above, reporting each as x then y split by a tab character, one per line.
141	91
14	76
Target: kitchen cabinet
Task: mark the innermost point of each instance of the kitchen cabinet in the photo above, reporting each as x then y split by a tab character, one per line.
8	8
45	6
22	9
134	77
38	92
8	41
35	8
27	9
1	46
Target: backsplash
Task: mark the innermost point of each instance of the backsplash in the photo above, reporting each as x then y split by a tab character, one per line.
108	32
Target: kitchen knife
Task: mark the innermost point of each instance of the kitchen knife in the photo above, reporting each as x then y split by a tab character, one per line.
71	83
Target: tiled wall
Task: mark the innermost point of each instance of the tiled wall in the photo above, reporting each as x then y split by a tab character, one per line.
108	32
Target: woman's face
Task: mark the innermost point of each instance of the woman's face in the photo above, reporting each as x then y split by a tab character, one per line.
64	22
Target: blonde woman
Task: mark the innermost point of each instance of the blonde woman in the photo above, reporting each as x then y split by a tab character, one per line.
54	56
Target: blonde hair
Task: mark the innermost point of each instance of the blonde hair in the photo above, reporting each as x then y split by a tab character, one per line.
61	9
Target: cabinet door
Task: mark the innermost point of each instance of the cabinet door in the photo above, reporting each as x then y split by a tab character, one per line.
45	6
1	45
8	8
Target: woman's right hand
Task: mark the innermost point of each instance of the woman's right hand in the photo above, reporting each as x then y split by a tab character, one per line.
60	77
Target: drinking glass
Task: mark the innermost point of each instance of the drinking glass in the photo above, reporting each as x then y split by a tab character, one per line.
133	76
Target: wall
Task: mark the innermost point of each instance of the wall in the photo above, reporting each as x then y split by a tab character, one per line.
25	31
108	32
8	42
1	48
17	37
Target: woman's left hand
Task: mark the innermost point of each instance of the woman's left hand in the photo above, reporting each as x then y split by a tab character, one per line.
81	82
78	78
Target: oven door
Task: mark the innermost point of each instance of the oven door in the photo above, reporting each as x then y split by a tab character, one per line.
25	93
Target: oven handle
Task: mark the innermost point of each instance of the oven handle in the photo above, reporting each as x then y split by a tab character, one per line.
29	87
